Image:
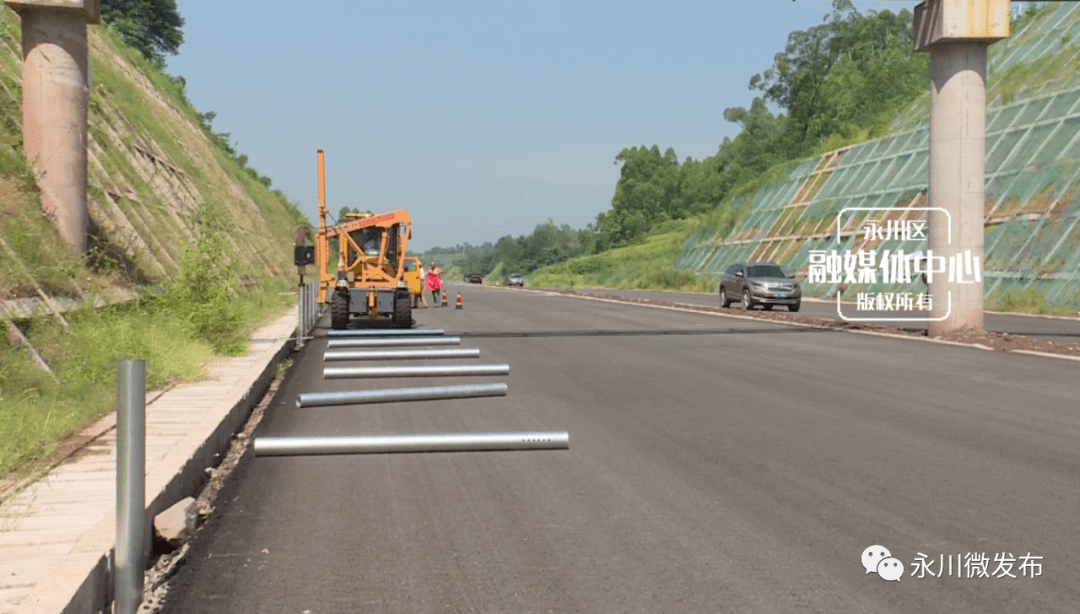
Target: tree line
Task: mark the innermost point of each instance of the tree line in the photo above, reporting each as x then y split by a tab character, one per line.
547	244
838	82
152	27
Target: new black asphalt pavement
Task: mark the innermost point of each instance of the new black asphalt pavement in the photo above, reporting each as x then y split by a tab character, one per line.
1059	329
715	465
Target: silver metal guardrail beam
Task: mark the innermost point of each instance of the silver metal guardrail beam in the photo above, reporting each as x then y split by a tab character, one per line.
380	444
386	332
429	393
401	354
415	371
390	342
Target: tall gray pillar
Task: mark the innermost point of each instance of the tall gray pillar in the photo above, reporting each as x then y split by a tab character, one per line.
56	95
957	180
957	33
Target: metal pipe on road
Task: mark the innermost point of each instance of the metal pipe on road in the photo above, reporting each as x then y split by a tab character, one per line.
378	444
388	342
317	399
130	484
415	371
401	354
386	332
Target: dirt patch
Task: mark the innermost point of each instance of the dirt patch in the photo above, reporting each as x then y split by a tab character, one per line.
1001	342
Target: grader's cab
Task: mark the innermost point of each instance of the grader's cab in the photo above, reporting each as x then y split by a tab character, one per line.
370	280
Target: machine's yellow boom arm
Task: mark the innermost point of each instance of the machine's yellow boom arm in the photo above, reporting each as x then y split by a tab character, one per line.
371	248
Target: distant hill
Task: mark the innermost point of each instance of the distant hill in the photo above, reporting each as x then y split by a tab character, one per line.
1032	213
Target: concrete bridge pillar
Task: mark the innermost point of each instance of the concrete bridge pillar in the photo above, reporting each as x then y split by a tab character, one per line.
56	95
957	181
957	33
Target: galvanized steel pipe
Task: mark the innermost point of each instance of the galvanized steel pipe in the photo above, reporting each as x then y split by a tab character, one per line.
401	354
431	393
390	342
309	309
415	371
377	444
386	332
301	330
130	484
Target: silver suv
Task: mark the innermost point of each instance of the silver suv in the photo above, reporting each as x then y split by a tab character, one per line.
759	283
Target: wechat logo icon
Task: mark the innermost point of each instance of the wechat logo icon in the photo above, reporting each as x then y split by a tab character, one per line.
878	559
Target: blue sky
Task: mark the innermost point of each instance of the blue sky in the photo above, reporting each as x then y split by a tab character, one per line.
482	118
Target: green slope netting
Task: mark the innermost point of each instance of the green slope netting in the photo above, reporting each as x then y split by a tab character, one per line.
1032	210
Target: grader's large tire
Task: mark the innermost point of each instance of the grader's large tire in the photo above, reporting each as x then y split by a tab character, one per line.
339	310
402	310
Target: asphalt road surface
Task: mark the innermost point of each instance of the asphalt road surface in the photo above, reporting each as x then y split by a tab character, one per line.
715	465
1057	329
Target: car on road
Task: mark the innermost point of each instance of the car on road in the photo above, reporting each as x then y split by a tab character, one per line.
515	280
474	278
759	283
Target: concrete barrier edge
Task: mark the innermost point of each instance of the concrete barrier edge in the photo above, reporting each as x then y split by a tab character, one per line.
92	559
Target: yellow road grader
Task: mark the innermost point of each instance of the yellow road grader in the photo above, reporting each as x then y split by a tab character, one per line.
371	279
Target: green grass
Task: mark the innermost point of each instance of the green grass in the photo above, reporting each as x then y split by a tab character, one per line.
42	255
645	266
36	413
497	276
203	312
1029	300
267	301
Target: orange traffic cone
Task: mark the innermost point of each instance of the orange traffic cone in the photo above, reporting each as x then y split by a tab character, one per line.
444	299
458	306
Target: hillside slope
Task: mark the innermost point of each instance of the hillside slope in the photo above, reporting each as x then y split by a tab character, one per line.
1032	209
157	182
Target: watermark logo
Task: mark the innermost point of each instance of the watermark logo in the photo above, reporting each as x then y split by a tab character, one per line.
895	266
879	560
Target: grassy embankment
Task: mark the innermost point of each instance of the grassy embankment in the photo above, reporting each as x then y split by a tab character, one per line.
201	310
646	265
1030	300
178	333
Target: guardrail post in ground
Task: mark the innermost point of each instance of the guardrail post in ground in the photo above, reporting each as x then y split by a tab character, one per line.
130	484
300	308
313	306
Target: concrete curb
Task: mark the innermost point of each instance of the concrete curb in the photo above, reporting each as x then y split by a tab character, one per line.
83	583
